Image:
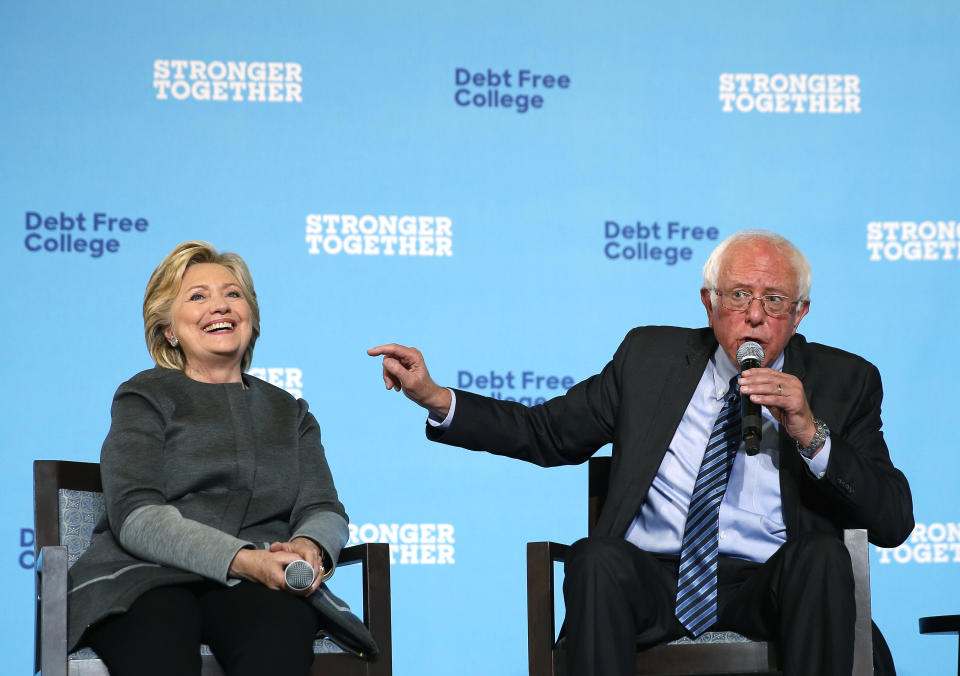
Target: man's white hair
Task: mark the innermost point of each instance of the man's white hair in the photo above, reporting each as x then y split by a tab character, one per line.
711	269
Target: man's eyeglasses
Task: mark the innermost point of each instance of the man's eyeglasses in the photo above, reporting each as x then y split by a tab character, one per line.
738	300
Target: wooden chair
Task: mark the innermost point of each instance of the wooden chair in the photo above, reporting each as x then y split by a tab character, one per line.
55	481
713	653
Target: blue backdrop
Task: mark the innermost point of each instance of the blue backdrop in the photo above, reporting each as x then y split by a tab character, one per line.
510	187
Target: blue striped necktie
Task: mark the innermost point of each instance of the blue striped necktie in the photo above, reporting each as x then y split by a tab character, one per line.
697	584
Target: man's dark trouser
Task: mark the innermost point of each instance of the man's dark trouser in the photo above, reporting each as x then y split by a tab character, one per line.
620	598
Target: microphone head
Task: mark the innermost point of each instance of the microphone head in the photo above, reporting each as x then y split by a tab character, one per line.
750	355
299	575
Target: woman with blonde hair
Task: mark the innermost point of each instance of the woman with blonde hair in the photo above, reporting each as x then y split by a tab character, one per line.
214	481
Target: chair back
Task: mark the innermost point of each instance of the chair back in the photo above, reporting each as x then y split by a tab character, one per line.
67	503
65	533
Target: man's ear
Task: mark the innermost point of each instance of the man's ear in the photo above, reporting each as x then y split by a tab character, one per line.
707	300
802	311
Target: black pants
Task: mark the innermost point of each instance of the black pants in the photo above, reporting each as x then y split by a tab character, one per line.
620	598
250	629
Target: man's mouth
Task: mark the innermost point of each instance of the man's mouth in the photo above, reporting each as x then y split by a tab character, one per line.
749	339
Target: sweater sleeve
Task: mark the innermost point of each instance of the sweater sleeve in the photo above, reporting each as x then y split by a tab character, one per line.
317	513
131	460
160	534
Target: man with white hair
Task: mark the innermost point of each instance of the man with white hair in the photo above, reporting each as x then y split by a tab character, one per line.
696	533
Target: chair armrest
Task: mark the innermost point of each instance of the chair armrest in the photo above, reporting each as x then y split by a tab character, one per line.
374	559
51	639
940	624
856	541
353	554
541	625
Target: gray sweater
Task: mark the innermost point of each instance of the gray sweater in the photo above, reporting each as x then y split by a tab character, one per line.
192	472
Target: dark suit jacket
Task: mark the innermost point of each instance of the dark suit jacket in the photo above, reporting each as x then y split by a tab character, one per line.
638	400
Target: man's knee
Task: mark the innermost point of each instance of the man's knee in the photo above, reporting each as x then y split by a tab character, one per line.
612	570
821	551
818	566
593	554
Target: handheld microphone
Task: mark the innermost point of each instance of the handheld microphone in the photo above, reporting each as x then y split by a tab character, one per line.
750	356
298	575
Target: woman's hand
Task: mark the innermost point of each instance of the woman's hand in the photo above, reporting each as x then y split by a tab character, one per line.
266	567
309	551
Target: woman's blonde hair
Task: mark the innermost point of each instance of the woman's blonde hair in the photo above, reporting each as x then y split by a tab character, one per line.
163	287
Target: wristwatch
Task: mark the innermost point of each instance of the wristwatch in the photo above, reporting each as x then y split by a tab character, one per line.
818	438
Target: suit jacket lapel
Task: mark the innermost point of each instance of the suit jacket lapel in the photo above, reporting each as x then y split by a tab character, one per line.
675	395
653	437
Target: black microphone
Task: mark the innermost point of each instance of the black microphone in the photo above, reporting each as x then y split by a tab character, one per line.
750	356
298	575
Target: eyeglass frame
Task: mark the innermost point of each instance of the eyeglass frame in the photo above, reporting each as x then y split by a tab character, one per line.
763	305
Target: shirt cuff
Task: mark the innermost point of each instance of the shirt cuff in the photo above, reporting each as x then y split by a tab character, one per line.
434	421
818	464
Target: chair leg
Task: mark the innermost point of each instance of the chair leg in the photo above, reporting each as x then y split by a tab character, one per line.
541	624
376	602
52	611
856	542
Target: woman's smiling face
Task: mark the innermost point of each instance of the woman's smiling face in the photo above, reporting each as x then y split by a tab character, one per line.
211	319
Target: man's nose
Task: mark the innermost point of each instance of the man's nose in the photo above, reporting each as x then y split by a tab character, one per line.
755	313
